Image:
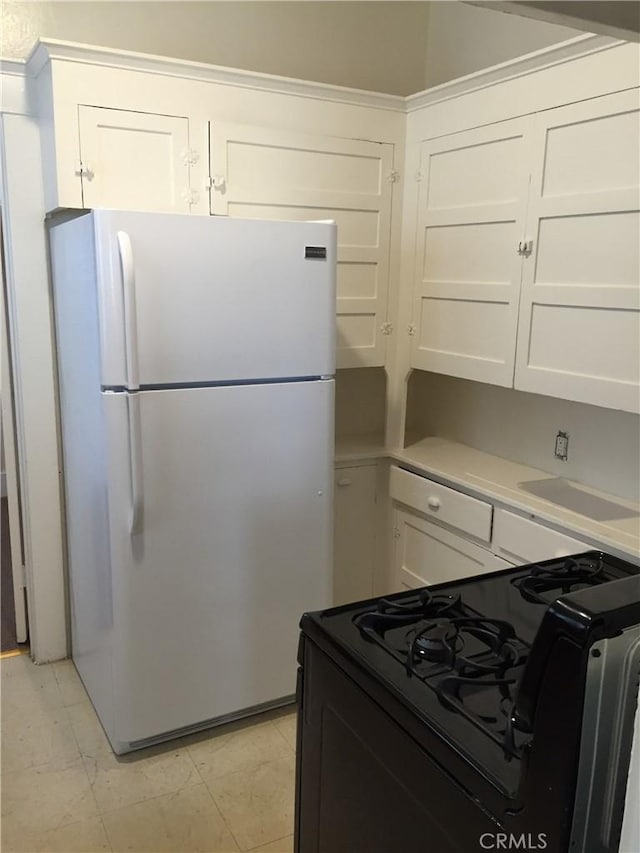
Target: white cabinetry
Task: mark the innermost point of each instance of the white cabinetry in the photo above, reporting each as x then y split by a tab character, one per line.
579	334
471	210
133	160
534	287
524	541
354	544
425	552
277	174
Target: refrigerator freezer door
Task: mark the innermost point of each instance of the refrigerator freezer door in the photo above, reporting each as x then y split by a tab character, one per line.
233	545
190	299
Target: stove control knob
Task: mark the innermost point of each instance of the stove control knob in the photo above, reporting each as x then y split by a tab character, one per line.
433	503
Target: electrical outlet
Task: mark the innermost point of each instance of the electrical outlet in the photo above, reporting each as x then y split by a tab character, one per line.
562	446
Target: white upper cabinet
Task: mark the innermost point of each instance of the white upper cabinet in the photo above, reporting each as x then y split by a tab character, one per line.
471	212
579	334
278	174
133	160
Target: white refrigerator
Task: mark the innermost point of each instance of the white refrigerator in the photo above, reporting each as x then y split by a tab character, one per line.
196	358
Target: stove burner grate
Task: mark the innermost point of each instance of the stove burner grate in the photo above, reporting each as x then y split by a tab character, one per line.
544	579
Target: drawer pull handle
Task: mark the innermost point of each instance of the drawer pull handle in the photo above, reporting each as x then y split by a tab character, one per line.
344	481
433	503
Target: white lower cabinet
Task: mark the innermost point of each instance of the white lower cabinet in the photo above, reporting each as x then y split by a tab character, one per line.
354	547
425	553
524	541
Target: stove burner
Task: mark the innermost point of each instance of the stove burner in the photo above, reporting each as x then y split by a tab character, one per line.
439	641
490	643
561	579
471	662
392	614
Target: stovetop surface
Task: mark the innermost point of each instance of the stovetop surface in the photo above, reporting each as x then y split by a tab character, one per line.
455	653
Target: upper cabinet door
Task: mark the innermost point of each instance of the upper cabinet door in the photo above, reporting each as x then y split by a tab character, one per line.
579	335
277	174
134	161
472	205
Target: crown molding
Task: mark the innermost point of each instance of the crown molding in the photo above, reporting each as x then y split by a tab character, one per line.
46	50
556	54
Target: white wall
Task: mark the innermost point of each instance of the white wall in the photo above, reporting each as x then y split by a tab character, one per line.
368	45
463	39
604	444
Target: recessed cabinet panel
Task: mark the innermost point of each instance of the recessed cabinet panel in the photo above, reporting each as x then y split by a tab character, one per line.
425	553
289	167
579	328
471	210
277	174
571	250
470	253
355	331
558	335
458	329
592	155
482	173
134	161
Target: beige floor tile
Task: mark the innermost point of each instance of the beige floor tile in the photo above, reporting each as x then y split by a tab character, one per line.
45	743
257	804
286	725
71	687
17	665
185	821
118	782
86	836
92	740
30	696
238	750
282	845
45	798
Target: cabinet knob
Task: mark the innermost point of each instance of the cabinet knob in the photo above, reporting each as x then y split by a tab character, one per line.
433	503
344	481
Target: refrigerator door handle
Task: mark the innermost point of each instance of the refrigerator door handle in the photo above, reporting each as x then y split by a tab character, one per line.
135	462
130	320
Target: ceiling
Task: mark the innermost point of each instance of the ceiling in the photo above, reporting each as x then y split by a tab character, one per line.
618	18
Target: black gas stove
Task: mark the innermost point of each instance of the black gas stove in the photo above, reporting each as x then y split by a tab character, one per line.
437	719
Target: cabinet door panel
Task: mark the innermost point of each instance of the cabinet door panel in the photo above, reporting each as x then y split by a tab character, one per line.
472	204
134	161
579	333
354	533
425	553
276	174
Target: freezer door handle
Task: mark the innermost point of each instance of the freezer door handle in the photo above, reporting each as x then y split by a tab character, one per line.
130	321
135	462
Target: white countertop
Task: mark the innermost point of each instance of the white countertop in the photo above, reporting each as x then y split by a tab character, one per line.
498	479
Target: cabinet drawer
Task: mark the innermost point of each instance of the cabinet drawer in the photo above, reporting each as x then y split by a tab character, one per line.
441	503
526	541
